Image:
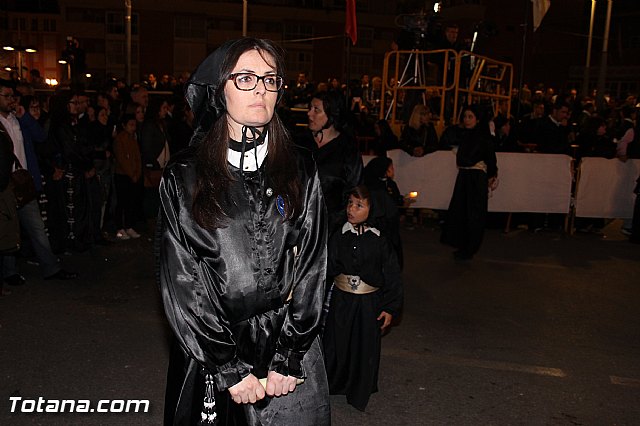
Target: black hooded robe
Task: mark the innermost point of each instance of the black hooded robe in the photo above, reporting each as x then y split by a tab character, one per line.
240	299
225	295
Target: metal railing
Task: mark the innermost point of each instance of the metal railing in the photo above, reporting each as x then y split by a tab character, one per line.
454	78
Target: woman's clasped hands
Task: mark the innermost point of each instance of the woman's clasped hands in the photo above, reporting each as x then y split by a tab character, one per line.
251	390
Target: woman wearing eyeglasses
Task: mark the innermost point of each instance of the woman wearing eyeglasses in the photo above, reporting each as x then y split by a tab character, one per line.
242	253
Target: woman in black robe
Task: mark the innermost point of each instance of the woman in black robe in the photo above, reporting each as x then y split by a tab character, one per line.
477	172
242	254
335	152
366	297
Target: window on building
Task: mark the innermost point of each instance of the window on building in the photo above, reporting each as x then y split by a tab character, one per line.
361	64
299	61
77	14
115	23
49	25
188	54
295	31
34	24
365	38
193	27
116	53
19	24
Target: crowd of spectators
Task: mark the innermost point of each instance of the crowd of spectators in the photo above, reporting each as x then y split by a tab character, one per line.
104	151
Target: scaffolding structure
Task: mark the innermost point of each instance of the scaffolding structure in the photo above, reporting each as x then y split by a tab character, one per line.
453	79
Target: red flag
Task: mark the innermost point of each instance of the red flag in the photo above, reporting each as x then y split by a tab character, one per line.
350	25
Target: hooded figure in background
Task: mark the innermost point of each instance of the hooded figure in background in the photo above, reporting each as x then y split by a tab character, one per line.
242	254
384	215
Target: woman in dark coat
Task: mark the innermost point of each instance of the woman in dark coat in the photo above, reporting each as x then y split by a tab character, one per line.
242	254
336	154
477	172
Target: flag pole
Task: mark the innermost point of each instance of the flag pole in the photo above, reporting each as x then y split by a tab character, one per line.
348	73
602	75
587	67
525	27
351	32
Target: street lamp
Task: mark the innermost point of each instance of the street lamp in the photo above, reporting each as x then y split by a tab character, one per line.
19	49
63	61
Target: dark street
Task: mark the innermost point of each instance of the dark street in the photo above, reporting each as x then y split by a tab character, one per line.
539	329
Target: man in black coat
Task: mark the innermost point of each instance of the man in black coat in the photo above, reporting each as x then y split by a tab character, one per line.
552	133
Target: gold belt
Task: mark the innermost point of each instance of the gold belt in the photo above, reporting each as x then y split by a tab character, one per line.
353	284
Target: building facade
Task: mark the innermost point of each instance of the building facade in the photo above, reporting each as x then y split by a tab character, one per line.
171	37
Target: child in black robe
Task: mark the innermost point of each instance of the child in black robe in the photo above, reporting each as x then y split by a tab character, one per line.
366	297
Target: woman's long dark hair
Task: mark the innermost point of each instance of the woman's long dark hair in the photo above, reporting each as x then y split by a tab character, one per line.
213	175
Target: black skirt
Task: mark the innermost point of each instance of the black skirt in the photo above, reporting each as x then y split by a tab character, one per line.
352	346
467	214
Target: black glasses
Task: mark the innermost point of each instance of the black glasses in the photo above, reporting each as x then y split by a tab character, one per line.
248	81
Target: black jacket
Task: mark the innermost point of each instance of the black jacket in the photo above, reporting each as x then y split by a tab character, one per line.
340	170
225	290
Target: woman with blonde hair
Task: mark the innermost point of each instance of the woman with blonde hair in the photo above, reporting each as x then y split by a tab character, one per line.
419	135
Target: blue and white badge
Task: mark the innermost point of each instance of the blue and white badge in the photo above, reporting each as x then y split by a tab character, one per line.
280	205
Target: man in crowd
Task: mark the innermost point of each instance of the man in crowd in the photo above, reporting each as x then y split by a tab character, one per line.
553	135
14	125
302	92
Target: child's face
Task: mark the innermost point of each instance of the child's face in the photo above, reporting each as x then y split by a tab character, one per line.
391	171
130	127
357	210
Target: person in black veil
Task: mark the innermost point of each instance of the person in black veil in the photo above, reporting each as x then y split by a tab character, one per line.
241	251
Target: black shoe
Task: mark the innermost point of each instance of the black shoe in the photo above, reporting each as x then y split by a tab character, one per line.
462	255
62	275
15	280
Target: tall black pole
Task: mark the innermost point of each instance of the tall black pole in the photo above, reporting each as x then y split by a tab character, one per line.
525	27
348	73
587	67
603	60
127	27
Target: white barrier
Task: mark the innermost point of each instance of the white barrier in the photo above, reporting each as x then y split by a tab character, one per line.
539	183
605	188
536	183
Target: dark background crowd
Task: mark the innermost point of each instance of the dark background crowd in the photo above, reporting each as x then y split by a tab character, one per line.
81	171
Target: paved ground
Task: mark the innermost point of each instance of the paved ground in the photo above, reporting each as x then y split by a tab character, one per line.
539	329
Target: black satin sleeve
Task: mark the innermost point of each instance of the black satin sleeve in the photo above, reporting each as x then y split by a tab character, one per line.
302	321
193	311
